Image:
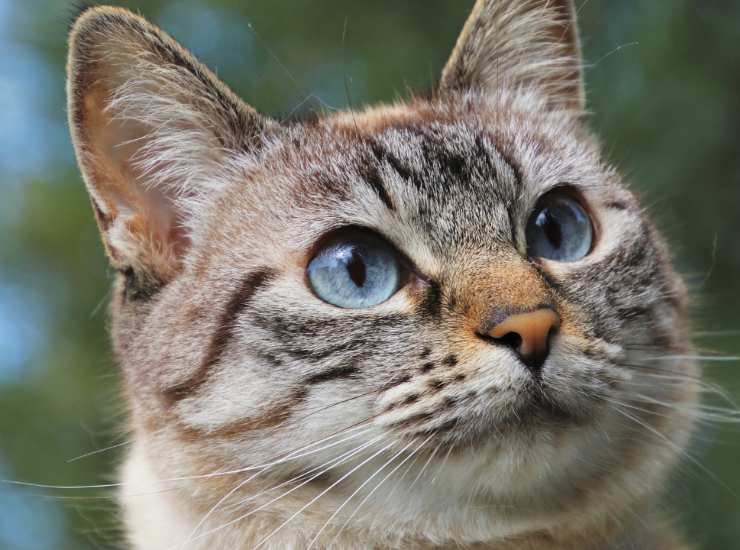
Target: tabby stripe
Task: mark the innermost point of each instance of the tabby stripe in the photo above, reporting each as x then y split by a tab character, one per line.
278	414
275	415
384	156
513	165
617	205
372	177
396	382
431	304
332	374
220	339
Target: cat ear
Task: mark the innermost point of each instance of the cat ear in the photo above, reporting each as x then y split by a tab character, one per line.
519	43
152	130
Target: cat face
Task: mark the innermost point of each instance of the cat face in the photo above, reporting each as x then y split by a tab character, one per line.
455	298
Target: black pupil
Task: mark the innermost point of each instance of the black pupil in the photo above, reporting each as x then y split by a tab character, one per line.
552	228
356	269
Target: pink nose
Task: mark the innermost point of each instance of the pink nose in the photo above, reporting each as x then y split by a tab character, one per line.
528	334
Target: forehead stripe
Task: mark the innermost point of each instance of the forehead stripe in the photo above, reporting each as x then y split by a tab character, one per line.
371	175
384	156
240	299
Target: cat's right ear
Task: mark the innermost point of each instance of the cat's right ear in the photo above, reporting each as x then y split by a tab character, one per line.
153	131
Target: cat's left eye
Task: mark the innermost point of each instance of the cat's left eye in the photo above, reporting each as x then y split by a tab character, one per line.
559	229
357	269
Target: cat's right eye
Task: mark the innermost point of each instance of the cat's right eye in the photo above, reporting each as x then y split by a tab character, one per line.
355	270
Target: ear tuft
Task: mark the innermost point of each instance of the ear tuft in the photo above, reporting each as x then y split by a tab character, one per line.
77	10
153	130
530	44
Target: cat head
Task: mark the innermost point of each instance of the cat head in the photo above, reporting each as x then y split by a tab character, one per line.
455	296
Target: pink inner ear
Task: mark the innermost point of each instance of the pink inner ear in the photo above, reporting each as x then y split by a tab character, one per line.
142	224
149	123
167	221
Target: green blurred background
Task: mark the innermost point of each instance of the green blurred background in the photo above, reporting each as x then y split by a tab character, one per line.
664	84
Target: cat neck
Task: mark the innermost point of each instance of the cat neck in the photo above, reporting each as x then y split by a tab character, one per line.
160	517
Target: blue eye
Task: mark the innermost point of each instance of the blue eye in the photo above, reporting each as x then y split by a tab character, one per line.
357	271
559	229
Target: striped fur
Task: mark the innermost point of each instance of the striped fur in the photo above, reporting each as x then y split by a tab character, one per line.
249	396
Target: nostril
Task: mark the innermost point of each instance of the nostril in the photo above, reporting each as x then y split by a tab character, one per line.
529	334
512	340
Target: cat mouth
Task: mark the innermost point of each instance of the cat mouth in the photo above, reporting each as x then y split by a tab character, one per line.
531	409
536	403
539	407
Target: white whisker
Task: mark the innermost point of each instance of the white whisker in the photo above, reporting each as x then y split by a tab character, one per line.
703	358
99	451
322	493
424	467
678	449
252	477
370	494
442	464
332	464
362	486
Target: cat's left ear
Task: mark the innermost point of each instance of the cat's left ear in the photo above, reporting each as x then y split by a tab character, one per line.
519	44
154	131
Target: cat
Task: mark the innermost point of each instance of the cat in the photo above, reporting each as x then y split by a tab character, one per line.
444	323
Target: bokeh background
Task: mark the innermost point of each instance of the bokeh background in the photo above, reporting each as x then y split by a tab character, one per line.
663	82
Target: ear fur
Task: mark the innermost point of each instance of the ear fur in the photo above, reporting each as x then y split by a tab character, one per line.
521	44
152	128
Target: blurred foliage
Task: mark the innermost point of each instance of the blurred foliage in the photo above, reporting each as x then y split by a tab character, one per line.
664	84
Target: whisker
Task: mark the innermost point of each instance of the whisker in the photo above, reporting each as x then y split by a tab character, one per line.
402	476
681	451
99	451
702	358
674	350
307	476
703	412
612	52
658	370
670	376
636	408
424	467
166	480
362	486
370	494
443	463
322	493
62	487
718	333
241	484
335	463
